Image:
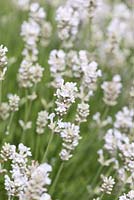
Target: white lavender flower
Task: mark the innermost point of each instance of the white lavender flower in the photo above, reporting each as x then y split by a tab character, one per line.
82	112
25	180
57	62
45	34
25	125
112	89
65	154
29	74
30	32
7	151
127	155
66	96
14	102
36	72
4	110
3	61
37	13
91	74
128	196
70	136
41	122
107	185
24	75
39	179
113	139
124	119
100	122
68	20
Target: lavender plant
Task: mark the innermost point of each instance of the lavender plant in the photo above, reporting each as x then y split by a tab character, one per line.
66	100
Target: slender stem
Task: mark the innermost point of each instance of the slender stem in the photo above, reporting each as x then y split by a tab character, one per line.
52	189
25	116
48	146
37	146
26	106
105	113
0	91
97	175
10	122
101	197
120	191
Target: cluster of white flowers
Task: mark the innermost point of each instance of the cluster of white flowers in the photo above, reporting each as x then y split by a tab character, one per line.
14	102
57	64
120	147
124	119
70	135
91	73
107	185
127	155
3	61
4	110
113	139
39	179
41	122
119	31
128	196
112	90
29	74
33	32
102	122
75	64
66	95
24	180
68	21
82	112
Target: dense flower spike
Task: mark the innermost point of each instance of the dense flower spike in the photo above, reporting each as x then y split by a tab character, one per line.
124	119
3	61
82	112
41	121
112	90
70	136
4	110
107	185
129	196
39	179
14	102
25	181
68	20
66	95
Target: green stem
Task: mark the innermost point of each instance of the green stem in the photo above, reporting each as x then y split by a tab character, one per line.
37	147
0	91
10	122
105	113
97	175
101	197
48	146
120	191
52	189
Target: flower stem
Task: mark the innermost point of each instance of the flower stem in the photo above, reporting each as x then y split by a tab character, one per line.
48	146
56	178
10	122
0	91
97	175
37	146
101	197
